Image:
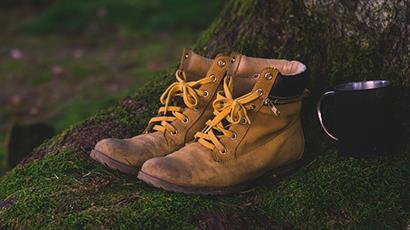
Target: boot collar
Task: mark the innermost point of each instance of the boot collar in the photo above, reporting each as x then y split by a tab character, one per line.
244	66
292	80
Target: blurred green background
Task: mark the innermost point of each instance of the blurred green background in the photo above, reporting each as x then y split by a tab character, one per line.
61	61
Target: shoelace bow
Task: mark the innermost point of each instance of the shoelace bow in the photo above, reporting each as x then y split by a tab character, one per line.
226	108
189	93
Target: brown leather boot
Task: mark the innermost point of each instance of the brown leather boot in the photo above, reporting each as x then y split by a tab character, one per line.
186	106
248	136
176	125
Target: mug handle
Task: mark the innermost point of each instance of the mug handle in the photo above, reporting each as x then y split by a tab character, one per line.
319	113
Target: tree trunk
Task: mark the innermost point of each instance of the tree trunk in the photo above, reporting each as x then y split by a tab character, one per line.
339	40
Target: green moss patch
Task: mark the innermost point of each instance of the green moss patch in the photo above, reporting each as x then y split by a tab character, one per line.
69	191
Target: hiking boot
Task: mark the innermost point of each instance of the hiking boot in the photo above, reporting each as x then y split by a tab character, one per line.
177	124
249	135
186	106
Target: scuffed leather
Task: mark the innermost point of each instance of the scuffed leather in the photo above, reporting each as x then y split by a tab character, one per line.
135	151
267	143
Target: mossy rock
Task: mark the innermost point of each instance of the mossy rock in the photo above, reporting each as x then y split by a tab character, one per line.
59	186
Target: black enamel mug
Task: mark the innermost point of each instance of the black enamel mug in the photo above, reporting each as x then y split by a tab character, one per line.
363	120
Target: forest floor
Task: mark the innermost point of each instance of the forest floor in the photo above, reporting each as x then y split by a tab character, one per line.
61	79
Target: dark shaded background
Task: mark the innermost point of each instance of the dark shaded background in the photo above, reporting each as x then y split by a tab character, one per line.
61	61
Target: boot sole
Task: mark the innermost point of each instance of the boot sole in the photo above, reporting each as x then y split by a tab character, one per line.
111	163
162	184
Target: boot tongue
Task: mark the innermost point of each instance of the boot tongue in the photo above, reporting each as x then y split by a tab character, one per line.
243	70
194	65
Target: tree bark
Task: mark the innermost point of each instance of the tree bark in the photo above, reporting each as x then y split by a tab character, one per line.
339	40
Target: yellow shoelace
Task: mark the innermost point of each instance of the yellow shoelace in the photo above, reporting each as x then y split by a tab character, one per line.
233	111
189	93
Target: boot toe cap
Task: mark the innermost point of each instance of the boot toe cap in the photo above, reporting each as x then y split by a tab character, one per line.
115	149
167	169
108	146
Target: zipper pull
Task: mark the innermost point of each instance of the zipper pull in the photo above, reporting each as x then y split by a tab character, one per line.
273	107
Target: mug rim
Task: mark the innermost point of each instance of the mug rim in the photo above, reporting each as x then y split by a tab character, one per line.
362	85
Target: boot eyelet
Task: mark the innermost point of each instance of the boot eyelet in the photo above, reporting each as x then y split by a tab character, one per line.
233	59
260	92
174	133
223	151
221	63
186	55
206	94
234	136
256	76
268	76
213	78
186	120
243	121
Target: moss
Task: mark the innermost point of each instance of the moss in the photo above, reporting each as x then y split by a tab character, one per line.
3	156
67	191
337	191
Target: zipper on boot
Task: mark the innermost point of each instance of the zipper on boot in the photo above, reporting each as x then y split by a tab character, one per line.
271	103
